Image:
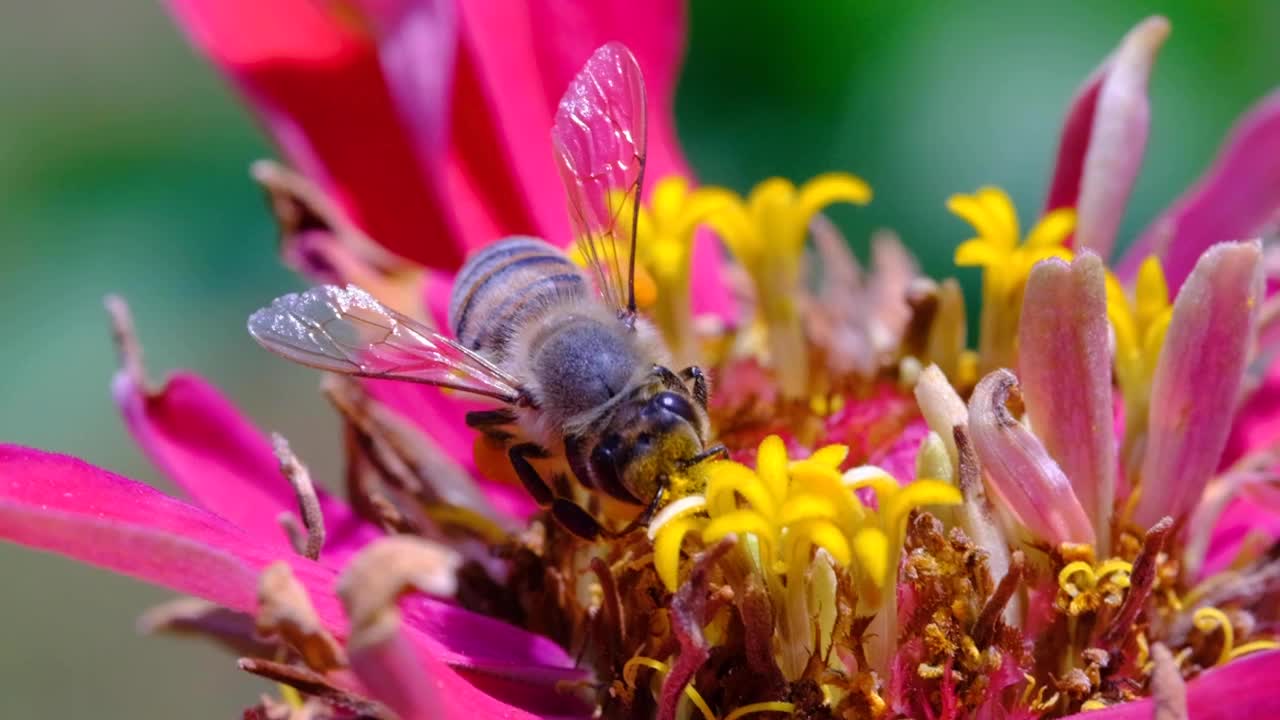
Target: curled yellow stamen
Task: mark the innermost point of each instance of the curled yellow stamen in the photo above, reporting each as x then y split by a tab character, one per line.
1208	619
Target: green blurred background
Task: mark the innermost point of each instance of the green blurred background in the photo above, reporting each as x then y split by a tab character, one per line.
123	168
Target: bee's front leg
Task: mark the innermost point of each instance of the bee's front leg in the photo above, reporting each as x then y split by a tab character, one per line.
700	391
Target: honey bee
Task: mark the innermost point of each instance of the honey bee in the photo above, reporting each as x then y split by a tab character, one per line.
581	375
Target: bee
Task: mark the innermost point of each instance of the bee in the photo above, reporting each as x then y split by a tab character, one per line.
581	375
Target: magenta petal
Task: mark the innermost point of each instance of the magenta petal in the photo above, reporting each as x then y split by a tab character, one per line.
290	59
63	505
1118	137
1234	200
1243	520
1241	688
60	504
1065	362
1019	470
1197	379
1077	129
1257	422
204	445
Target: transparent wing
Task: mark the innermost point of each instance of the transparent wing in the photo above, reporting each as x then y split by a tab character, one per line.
599	139
345	330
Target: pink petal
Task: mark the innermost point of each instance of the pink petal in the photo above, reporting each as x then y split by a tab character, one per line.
1065	362
1257	422
60	504
1019	470
1077	130
1244	518
1236	199
316	83
202	443
526	54
1241	688
1118	137
1197	379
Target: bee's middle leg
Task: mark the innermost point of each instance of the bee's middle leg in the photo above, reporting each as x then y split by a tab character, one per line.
493	423
538	489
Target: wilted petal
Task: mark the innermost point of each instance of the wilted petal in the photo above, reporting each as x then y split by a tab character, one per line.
1019	470
1065	363
1237	198
1241	688
318	241
1118	137
291	59
1197	379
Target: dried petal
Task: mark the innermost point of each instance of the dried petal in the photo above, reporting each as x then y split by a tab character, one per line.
285	610
1019	470
1243	688
1065	361
196	617
1197	379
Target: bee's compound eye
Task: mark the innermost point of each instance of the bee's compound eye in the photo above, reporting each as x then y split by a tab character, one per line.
674	403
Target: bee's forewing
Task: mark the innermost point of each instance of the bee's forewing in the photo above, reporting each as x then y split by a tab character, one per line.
345	330
599	139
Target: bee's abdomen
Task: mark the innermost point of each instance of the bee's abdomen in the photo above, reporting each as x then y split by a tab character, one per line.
507	285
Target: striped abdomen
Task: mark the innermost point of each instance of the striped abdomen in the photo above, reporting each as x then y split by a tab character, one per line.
505	286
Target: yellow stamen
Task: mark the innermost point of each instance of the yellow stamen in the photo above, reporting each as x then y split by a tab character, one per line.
766	233
1139	325
1005	263
1255	646
633	665
770	706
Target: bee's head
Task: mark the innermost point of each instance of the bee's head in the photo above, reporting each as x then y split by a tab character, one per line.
647	440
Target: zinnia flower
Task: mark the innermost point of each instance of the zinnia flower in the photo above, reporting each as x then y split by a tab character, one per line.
1077	517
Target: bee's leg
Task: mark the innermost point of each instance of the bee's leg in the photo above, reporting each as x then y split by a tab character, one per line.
533	483
646	515
700	392
575	519
715	451
492	422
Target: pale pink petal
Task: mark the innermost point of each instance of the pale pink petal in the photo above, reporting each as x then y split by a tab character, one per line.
1236	199
1118	138
1018	468
291	59
200	441
1242	688
1065	363
1197	379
